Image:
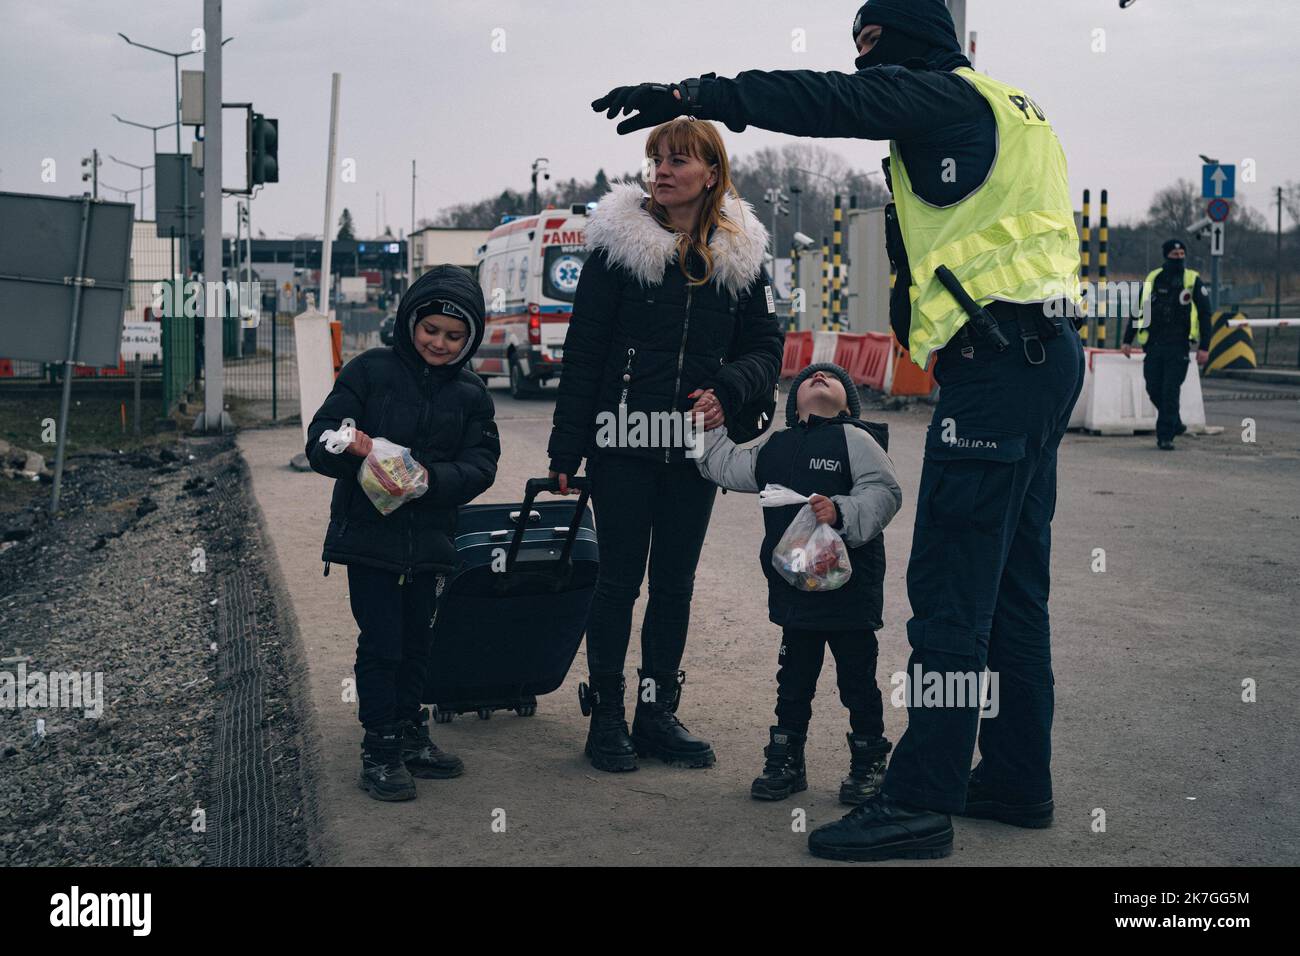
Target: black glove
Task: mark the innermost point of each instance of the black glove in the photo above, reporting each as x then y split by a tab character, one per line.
657	103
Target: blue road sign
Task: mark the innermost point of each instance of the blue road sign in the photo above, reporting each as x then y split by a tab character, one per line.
1218	181
1218	209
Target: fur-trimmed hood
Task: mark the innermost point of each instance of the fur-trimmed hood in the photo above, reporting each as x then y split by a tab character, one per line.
631	238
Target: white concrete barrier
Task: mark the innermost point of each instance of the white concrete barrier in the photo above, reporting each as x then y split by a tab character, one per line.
1114	399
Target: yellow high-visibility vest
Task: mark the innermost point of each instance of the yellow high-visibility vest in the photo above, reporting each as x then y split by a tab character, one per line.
1012	238
1143	326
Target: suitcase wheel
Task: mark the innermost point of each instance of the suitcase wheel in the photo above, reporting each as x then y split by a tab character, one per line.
525	708
485	713
442	716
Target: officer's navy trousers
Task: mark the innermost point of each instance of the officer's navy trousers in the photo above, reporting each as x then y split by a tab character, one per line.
978	575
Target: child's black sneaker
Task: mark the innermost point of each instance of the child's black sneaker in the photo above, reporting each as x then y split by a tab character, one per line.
422	756
383	775
783	772
866	768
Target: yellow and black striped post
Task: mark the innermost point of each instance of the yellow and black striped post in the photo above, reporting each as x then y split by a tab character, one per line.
1085	257
1103	237
1230	347
837	245
826	284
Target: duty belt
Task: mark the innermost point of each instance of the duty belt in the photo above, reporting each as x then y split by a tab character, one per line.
986	327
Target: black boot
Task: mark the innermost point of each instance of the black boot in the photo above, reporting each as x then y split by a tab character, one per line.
881	829
783	773
383	775
657	732
983	805
608	745
866	768
422	756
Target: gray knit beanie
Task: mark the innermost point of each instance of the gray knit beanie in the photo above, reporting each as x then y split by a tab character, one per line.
850	390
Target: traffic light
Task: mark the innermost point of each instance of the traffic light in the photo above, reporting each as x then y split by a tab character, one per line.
263	150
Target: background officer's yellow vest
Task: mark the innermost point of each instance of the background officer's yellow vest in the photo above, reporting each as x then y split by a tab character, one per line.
1013	238
1144	324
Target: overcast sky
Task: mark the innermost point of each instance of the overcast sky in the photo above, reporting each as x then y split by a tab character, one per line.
421	80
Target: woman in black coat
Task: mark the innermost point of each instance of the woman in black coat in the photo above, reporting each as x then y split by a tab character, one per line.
673	315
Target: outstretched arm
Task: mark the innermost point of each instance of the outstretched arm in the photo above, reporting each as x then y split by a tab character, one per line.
883	102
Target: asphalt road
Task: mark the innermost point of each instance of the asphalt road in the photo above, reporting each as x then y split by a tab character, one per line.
1152	734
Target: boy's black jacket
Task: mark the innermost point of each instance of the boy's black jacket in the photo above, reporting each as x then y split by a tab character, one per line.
786	459
443	414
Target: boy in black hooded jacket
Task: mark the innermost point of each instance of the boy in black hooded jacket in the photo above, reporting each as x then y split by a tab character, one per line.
839	461
420	393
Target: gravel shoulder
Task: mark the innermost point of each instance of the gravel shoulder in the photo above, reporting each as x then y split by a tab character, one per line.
122	588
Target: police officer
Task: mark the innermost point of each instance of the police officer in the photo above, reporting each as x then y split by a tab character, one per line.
982	212
1173	300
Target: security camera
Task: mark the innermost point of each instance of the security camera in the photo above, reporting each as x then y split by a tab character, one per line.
804	242
1201	227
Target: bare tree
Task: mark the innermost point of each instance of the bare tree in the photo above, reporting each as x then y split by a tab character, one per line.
1175	207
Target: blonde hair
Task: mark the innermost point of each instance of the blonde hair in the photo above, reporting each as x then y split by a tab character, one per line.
700	140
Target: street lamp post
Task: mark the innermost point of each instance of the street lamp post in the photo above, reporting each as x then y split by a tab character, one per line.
141	170
539	166
185	185
152	129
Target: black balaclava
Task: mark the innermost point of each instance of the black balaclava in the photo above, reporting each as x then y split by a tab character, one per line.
442	284
1173	265
830	368
912	30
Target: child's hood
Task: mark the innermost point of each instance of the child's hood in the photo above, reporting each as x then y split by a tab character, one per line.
445	283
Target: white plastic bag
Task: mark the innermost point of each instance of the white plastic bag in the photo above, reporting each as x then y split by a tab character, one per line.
811	556
391	477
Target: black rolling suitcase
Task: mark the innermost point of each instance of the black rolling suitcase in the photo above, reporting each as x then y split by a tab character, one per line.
512	614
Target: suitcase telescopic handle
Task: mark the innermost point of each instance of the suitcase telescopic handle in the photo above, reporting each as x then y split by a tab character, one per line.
552	485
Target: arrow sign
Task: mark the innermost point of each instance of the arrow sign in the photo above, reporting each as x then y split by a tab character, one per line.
1216	239
1218	181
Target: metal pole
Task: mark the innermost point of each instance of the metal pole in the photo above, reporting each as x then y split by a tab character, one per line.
410	236
213	372
185	167
138	363
327	244
1214	282
66	399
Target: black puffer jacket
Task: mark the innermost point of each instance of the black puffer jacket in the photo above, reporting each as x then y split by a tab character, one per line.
444	414
640	335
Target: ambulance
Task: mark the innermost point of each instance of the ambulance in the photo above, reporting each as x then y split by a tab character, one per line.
528	269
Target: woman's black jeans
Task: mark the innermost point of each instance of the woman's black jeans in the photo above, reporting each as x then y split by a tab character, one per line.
645	508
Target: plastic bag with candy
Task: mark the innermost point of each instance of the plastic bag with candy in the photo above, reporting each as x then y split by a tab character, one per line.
811	556
391	477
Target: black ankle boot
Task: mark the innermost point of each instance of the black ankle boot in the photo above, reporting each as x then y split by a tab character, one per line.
608	745
383	775
866	768
656	731
783	772
422	756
